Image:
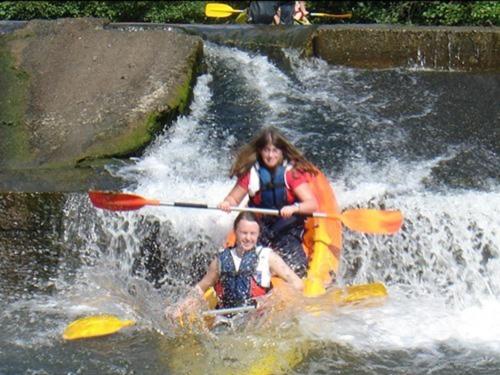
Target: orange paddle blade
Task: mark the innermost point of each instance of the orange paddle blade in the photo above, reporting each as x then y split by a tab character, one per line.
372	221
119	201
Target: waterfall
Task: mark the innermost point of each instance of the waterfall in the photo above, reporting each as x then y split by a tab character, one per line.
386	139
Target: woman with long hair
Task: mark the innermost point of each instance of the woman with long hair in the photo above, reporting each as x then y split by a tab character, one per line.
274	174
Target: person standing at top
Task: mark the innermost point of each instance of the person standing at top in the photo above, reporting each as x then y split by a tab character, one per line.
274	174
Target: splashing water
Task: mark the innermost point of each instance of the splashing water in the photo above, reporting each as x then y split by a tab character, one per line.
386	139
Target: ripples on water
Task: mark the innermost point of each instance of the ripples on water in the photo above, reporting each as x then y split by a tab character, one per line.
423	142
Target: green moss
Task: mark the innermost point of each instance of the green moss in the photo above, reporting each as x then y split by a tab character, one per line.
134	141
13	102
184	91
122	145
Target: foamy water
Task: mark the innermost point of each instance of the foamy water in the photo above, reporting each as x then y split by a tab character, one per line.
377	137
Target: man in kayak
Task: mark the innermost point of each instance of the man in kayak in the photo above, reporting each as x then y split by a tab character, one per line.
262	12
275	175
271	12
241	273
285	13
274	12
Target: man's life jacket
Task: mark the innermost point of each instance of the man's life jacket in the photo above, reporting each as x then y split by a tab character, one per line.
238	286
262	12
287	9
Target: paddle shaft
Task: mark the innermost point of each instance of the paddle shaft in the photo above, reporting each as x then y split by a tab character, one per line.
264	211
346	15
233	310
363	220
223	10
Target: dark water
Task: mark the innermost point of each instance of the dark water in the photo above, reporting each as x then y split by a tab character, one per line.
423	142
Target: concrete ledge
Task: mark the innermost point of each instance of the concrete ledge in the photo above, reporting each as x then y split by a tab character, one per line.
389	46
75	92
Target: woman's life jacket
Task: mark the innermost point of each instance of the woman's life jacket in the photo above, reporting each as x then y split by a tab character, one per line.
270	190
242	279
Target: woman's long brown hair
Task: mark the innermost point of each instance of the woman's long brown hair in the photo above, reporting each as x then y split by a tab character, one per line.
244	215
249	153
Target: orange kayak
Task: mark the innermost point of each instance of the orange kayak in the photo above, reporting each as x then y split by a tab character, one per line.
322	243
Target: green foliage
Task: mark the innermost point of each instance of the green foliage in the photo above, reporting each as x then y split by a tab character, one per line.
176	12
119	11
456	13
449	13
485	13
25	10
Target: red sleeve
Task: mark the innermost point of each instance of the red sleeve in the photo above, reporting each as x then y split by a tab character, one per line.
295	178
244	180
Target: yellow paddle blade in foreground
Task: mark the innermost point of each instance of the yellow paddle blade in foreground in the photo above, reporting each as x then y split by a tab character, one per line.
220	10
95	326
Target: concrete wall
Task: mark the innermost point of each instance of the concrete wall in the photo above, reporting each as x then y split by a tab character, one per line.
74	94
389	46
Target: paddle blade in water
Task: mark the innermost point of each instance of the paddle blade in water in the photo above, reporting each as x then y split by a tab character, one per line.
373	221
95	326
118	201
361	292
366	294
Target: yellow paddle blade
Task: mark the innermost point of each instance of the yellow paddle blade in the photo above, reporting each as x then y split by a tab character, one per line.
355	293
276	359
362	292
372	221
95	326
220	10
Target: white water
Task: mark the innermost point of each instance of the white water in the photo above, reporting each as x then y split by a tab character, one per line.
442	270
